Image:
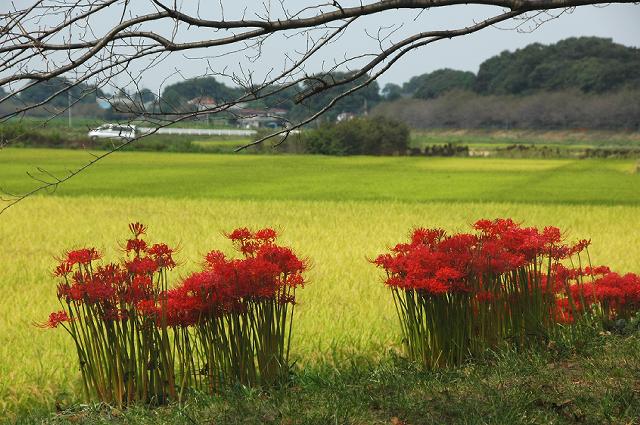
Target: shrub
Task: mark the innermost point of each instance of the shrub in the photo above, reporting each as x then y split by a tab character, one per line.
359	136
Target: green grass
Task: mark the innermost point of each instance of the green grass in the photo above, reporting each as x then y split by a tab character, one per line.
59	122
593	385
338	212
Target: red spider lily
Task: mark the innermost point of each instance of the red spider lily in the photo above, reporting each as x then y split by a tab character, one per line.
136	245
143	265
295	281
552	235
63	269
422	236
55	319
180	310
148	308
214	257
247	301
266	235
99	291
137	229
619	294
240	234
495	227
140	288
69	293
248	242
283	257
162	255
82	256
203	294
431	263
564	312
598	270
123	357
266	267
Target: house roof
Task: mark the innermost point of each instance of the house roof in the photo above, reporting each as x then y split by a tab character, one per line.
202	100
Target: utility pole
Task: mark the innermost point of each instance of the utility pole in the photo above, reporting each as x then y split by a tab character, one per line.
69	106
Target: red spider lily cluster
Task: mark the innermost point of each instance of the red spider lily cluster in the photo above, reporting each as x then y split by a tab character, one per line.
115	287
225	286
436	263
457	295
117	346
579	289
242	302
139	340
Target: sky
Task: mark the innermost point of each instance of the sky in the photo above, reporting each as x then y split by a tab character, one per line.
618	22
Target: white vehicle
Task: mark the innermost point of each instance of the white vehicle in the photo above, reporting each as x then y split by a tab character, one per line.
113	131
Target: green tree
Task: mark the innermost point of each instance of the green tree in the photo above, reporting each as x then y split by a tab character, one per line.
358	102
392	92
436	83
146	95
176	96
283	97
589	64
43	90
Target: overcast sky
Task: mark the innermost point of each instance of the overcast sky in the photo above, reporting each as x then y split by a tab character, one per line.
619	22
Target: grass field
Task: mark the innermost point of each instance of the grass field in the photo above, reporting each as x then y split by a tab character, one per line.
336	211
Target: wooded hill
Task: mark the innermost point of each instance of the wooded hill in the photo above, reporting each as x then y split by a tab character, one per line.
586	64
585	82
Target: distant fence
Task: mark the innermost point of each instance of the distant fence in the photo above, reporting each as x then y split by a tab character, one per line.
196	131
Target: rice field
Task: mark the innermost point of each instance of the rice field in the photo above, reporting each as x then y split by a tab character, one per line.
336	211
318	178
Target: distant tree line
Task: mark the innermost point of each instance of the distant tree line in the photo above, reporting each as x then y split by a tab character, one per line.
578	82
54	90
175	97
545	110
